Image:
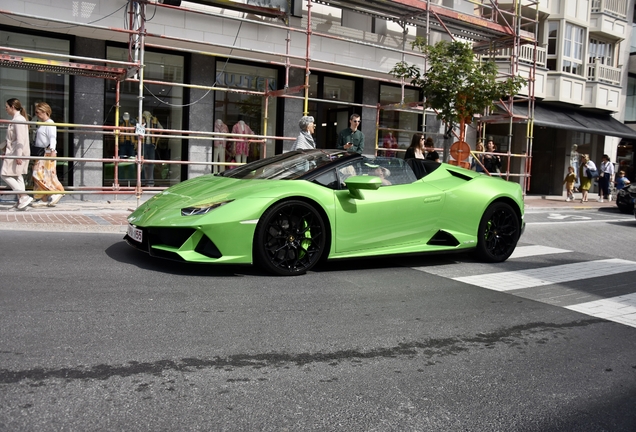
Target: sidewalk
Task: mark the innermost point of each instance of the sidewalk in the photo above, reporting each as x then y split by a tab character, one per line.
109	215
72	214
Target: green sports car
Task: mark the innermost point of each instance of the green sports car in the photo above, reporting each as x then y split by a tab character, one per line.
287	212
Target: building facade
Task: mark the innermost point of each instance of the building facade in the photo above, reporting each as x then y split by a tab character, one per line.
225	82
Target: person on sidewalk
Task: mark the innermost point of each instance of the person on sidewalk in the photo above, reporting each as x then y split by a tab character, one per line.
416	150
586	182
621	181
478	158
16	144
605	177
491	161
305	141
569	181
45	171
351	139
431	154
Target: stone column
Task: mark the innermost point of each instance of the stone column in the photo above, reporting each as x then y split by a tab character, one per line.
88	108
202	72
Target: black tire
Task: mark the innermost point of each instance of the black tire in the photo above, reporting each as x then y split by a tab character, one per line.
499	231
290	238
626	208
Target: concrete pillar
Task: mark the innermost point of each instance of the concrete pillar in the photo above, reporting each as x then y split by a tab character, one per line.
88	108
202	72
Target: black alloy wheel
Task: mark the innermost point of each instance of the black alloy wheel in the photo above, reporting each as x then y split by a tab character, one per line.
290	238
498	234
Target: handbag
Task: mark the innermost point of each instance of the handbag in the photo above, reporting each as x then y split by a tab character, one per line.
589	173
37	151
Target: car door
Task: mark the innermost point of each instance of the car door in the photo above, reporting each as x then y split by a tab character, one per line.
386	218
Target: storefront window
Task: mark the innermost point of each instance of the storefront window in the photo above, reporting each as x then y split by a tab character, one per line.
397	125
162	104
31	87
244	113
334	108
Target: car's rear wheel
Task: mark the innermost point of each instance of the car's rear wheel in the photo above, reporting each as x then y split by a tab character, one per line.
290	238
499	231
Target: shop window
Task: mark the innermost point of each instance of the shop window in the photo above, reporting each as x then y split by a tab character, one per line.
330	99
397	126
31	87
164	103
247	114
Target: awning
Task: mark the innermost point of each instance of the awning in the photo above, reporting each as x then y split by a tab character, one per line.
576	120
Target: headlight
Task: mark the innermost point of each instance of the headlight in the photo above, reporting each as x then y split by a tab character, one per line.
201	209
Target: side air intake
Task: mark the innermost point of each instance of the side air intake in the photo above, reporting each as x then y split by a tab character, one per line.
442	238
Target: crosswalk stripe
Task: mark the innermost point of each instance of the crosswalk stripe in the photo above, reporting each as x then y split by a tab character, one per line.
621	309
513	280
535	250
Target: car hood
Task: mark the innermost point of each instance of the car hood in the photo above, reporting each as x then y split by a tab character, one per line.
204	191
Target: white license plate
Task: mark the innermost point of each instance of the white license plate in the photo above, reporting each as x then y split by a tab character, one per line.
135	233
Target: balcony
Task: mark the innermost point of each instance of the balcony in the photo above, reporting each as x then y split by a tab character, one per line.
603	87
609	18
526	70
526	55
598	72
616	8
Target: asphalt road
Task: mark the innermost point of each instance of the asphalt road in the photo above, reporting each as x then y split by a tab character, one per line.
102	337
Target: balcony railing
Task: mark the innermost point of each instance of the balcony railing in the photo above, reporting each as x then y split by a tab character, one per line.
599	72
526	55
616	8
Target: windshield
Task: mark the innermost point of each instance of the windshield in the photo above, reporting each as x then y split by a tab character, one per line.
287	166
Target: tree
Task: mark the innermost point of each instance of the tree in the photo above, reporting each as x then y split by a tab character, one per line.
456	85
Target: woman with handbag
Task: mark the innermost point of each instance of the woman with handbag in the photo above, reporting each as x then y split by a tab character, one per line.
45	171
587	173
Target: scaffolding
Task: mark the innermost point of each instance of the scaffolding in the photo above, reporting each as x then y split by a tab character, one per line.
490	28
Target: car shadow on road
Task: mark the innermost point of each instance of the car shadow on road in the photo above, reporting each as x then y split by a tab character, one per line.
387	262
123	253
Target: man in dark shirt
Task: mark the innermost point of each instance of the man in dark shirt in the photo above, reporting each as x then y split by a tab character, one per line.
351	138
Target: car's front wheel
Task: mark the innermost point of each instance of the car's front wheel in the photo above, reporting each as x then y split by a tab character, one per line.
499	231
290	238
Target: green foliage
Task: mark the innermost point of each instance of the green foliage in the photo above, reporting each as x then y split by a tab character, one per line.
456	84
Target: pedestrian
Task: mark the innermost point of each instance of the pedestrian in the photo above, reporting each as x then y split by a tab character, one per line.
16	144
621	181
431	154
305	141
351	138
492	162
478	158
587	171
416	149
45	171
569	181
605	178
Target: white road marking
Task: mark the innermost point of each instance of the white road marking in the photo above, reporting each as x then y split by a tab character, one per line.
581	221
621	309
535	250
513	280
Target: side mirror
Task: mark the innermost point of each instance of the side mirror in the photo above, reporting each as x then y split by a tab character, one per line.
357	184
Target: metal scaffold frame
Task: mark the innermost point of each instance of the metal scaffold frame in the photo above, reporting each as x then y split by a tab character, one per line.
487	31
